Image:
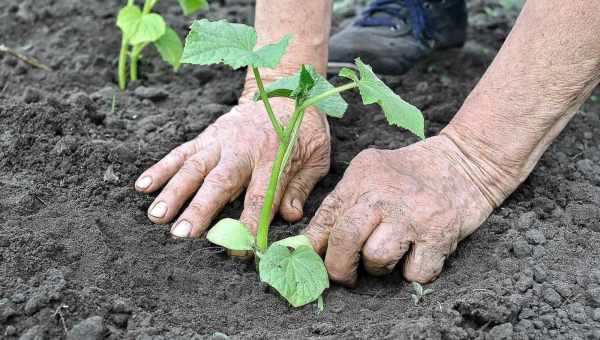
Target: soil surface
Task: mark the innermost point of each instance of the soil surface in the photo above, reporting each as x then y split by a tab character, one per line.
80	260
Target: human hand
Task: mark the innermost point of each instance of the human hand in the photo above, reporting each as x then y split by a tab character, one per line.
235	152
418	200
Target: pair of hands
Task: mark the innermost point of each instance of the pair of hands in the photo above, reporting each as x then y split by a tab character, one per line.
417	201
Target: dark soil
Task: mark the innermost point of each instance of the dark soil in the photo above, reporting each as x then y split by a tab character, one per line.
78	254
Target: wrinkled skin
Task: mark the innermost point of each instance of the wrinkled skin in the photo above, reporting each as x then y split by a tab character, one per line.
417	200
235	152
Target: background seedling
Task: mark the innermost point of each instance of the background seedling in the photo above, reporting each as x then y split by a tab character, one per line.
420	292
140	27
290	266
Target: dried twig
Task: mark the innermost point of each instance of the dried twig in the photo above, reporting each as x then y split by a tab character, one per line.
62	319
31	61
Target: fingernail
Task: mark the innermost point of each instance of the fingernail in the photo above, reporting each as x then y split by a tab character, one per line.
159	210
181	229
143	183
296	204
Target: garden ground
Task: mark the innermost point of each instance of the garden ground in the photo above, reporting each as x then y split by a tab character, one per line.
79	256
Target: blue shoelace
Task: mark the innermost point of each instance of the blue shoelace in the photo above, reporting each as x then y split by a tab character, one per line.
394	9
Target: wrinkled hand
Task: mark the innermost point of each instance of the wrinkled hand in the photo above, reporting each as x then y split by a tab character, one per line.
417	200
235	152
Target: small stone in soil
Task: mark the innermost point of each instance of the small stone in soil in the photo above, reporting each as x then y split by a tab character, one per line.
34	333
152	93
31	95
501	332
10	330
539	273
521	248
552	297
91	328
577	312
596	314
527	220
594	293
535	237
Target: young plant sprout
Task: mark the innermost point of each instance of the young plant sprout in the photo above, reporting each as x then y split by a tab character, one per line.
290	266
140	27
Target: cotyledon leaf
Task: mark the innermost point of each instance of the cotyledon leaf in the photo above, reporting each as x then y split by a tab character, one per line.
150	28
299	275
128	20
231	234
169	47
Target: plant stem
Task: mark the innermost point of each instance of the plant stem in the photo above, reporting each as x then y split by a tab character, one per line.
265	99
265	213
135	57
286	145
313	100
122	68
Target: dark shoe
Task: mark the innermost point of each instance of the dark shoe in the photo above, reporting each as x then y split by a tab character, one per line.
392	35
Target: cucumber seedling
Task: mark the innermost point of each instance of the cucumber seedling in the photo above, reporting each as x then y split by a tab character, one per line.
140	27
291	266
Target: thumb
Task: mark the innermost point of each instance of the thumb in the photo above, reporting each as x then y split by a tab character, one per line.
297	191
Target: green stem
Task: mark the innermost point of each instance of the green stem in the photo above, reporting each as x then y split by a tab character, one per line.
122	68
265	213
286	145
135	57
313	100
265	99
148	4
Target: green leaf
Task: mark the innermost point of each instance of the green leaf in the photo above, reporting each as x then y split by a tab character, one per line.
232	44
397	111
305	83
418	288
170	48
427	291
192	6
299	276
285	93
334	106
348	73
231	234
294	241
150	28
128	20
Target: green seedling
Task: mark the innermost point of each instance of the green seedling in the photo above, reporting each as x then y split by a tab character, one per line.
291	266
141	27
420	292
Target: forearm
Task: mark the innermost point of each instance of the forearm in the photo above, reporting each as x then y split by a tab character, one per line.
308	22
546	69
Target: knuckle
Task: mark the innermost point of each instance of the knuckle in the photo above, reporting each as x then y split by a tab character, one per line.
197	210
195	167
222	180
253	202
301	186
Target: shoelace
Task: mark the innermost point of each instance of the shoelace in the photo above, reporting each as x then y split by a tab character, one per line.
394	9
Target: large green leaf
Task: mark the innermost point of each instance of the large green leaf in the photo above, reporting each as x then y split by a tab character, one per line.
128	20
192	6
334	106
298	275
232	44
170	48
397	111
231	234
150	28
